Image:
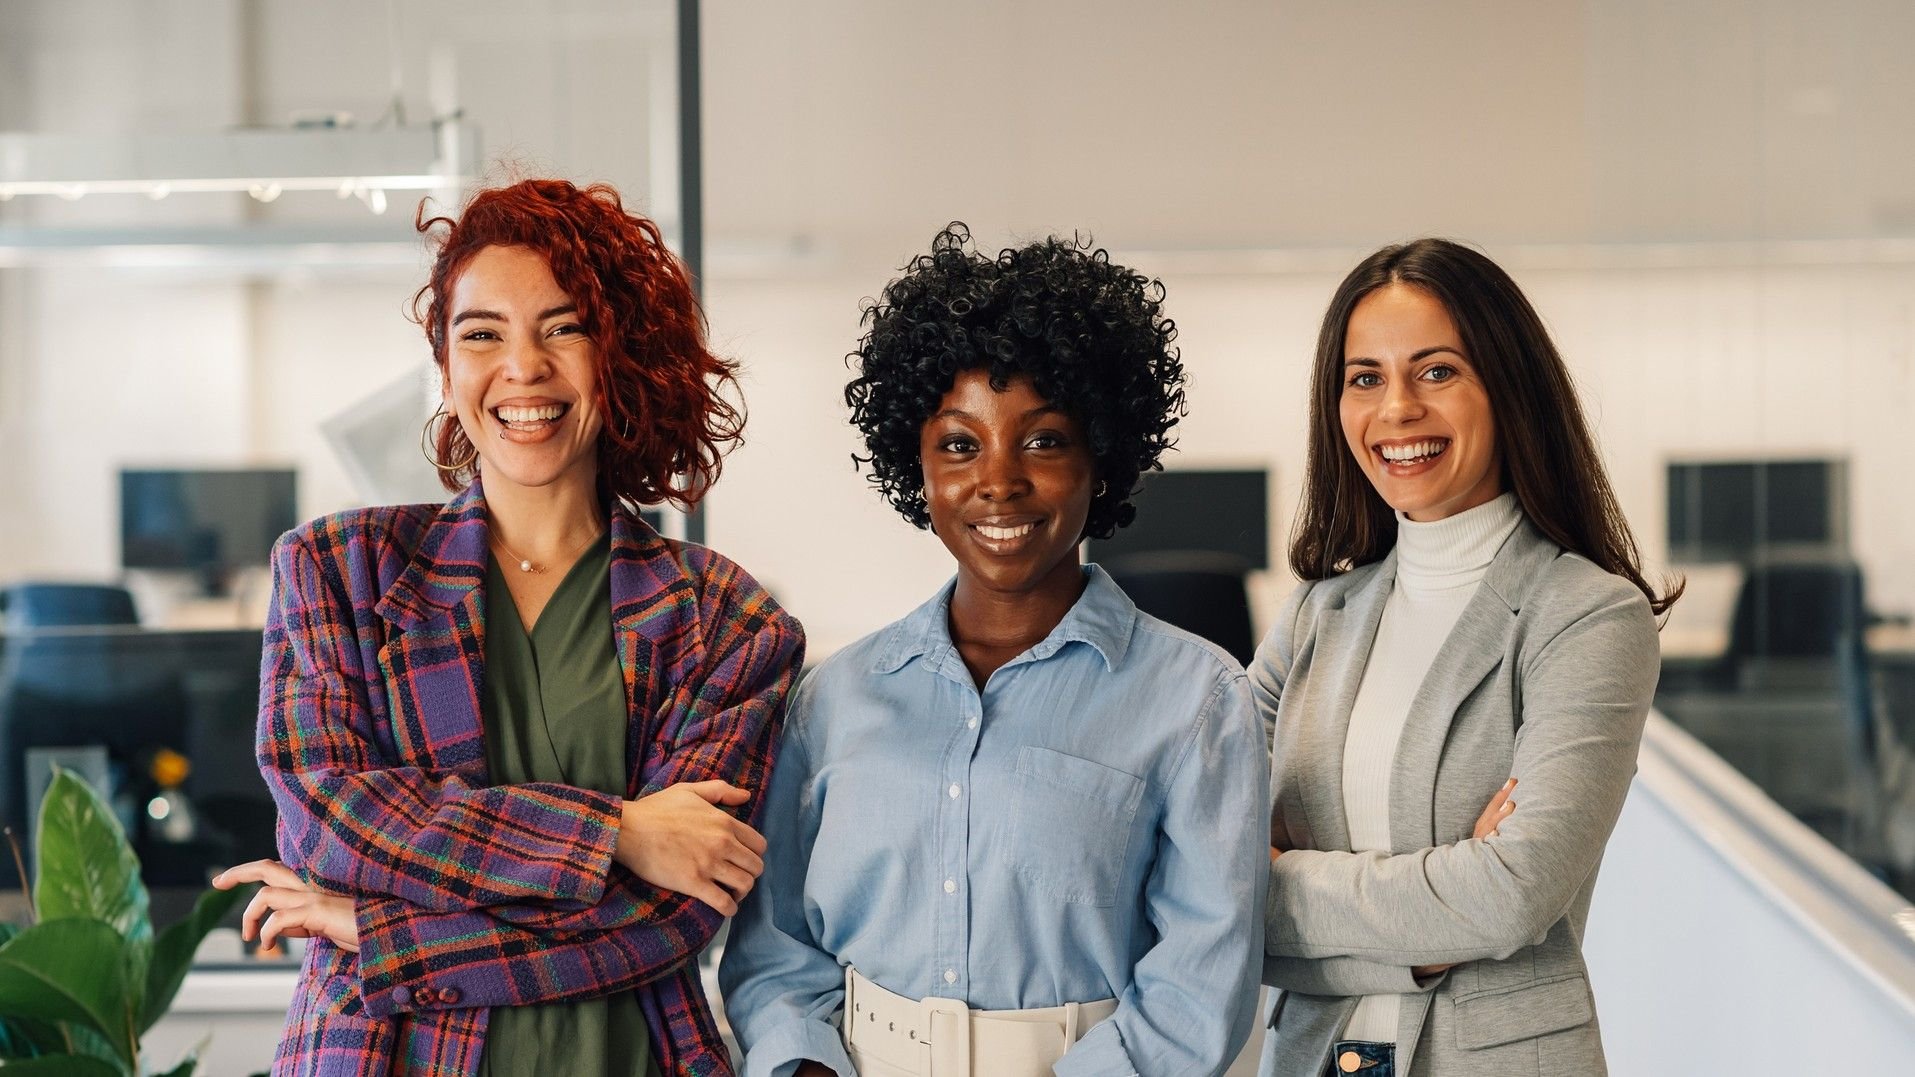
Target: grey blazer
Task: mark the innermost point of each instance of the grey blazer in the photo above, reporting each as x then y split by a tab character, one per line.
1547	676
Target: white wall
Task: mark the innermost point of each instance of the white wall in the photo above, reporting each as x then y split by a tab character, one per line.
1658	175
1662	177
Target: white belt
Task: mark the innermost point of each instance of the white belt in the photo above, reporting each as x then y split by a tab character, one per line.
941	1037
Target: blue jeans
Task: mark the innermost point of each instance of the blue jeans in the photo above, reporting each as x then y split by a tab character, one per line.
1362	1058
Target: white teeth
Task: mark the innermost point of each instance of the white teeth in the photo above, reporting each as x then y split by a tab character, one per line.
530	415
1416	450
1002	534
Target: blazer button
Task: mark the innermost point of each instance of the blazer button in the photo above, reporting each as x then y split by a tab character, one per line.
449	995
402	995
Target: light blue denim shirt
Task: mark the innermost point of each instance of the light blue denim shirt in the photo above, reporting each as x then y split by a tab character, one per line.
1092	825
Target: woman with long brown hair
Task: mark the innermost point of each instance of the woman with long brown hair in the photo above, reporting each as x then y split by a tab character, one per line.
1473	627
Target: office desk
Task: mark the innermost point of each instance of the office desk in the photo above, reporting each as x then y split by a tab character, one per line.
1689	643
135	690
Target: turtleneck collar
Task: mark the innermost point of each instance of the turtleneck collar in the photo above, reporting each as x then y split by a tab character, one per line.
1454	551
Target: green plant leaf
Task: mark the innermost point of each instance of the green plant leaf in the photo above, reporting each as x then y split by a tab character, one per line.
138	963
64	1066
87	869
173	952
70	970
27	1038
22	1037
90	1043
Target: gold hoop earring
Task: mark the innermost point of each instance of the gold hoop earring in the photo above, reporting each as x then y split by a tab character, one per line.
425	450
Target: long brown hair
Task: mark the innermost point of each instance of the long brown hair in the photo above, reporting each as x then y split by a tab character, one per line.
1549	458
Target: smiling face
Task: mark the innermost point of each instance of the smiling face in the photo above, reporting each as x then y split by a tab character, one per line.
1007	480
521	375
1414	412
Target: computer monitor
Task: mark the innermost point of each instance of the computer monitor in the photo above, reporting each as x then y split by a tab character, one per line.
1738	510
206	521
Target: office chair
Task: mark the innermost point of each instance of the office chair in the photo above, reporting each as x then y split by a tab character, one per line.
1798	646
62	605
1199	591
1801	622
1799	607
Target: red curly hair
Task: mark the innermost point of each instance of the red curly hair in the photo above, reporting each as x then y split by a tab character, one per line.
666	424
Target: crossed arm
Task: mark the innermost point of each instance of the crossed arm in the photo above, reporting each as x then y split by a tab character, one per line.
1341	923
416	869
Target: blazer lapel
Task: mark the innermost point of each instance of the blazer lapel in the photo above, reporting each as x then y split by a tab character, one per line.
1344	637
1474	648
656	628
433	661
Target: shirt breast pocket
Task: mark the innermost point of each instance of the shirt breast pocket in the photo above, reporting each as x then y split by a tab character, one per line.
1070	822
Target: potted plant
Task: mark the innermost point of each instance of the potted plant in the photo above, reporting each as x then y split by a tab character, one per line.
84	981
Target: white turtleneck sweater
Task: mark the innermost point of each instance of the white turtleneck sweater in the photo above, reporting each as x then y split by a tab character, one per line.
1438	568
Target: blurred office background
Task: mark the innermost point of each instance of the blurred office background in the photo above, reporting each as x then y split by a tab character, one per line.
1712	203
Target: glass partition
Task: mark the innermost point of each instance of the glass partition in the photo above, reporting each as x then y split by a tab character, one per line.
207	255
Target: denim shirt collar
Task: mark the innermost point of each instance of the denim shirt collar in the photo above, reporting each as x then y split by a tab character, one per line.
1103	617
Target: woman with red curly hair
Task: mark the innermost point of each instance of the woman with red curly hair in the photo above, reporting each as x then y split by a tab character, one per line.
517	741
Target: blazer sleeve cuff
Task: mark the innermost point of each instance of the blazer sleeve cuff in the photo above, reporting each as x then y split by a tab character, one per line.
1344	977
1286	872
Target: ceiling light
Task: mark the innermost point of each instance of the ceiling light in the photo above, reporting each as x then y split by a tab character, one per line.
259	161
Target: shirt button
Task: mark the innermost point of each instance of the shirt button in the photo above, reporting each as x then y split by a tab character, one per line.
402	995
972	724
950	976
954	791
448	995
950	886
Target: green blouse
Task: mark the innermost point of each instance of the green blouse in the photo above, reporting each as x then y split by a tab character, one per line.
555	712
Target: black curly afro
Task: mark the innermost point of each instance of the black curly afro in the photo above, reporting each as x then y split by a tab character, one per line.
1090	334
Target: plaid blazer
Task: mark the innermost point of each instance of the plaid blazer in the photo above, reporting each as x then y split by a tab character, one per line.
472	895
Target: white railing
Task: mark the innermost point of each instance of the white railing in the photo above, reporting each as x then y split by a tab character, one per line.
1728	938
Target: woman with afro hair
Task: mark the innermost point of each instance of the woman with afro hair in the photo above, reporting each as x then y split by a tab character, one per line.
1020	831
517	740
